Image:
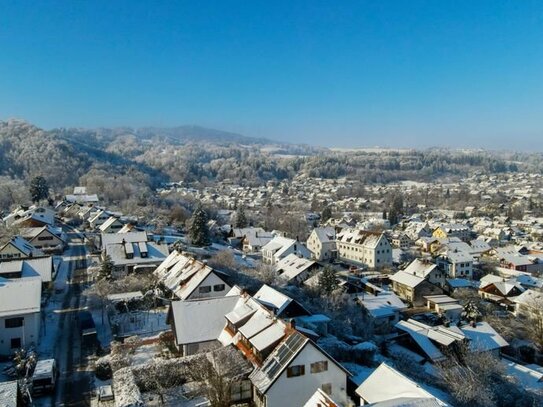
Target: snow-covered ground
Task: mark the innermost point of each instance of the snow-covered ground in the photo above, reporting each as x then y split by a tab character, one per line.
142	323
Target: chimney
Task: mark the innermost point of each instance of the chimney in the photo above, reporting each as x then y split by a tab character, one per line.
291	324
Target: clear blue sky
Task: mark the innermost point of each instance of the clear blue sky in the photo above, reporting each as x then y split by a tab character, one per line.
334	73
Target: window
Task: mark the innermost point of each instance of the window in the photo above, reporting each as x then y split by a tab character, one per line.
45	237
219	287
241	390
15	343
14	322
297	370
205	289
327	388
318	367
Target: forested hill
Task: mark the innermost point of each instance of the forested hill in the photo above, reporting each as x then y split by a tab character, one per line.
130	161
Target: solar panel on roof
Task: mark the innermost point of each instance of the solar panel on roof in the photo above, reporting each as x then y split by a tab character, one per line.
283	354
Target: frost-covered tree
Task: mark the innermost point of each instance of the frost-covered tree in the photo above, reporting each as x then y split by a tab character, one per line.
241	218
199	231
328	282
39	189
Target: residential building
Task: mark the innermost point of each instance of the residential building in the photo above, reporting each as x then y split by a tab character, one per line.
294	269
45	238
131	252
365	248
189	279
18	248
322	243
456	264
429	271
280	247
20	307
292	373
383	309
462	232
412	288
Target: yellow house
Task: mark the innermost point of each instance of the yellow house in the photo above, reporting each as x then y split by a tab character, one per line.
440	233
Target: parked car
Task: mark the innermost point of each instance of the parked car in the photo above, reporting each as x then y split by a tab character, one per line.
45	376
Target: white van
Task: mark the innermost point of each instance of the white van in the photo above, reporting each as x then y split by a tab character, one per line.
45	375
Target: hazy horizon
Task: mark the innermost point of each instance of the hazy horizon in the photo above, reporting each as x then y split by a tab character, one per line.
356	74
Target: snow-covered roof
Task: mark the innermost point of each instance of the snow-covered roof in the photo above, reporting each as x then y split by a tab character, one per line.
268	337
407	279
292	266
20	296
130	237
383	305
24	247
483	337
362	237
424	335
33	267
319	399
386	383
9	394
201	320
420	268
530	298
271	298
325	234
110	221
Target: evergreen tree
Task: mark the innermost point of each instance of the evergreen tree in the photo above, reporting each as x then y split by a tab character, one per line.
199	231
328	282
241	219
471	312
106	268
326	214
39	189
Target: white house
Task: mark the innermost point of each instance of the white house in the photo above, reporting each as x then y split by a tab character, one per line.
456	263
365	248
292	373
280	247
322	243
20	305
427	270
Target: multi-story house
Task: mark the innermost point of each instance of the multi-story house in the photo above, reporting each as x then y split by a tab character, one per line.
366	248
322	243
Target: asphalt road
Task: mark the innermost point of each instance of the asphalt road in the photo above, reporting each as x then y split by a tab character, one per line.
73	357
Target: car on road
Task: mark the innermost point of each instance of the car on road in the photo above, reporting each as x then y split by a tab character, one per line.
45	376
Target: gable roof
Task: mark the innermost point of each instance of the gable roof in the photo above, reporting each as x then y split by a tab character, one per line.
109	222
20	296
130	237
41	267
420	268
201	320
325	234
23	246
386	383
407	279
362	237
264	377
483	337
292	266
